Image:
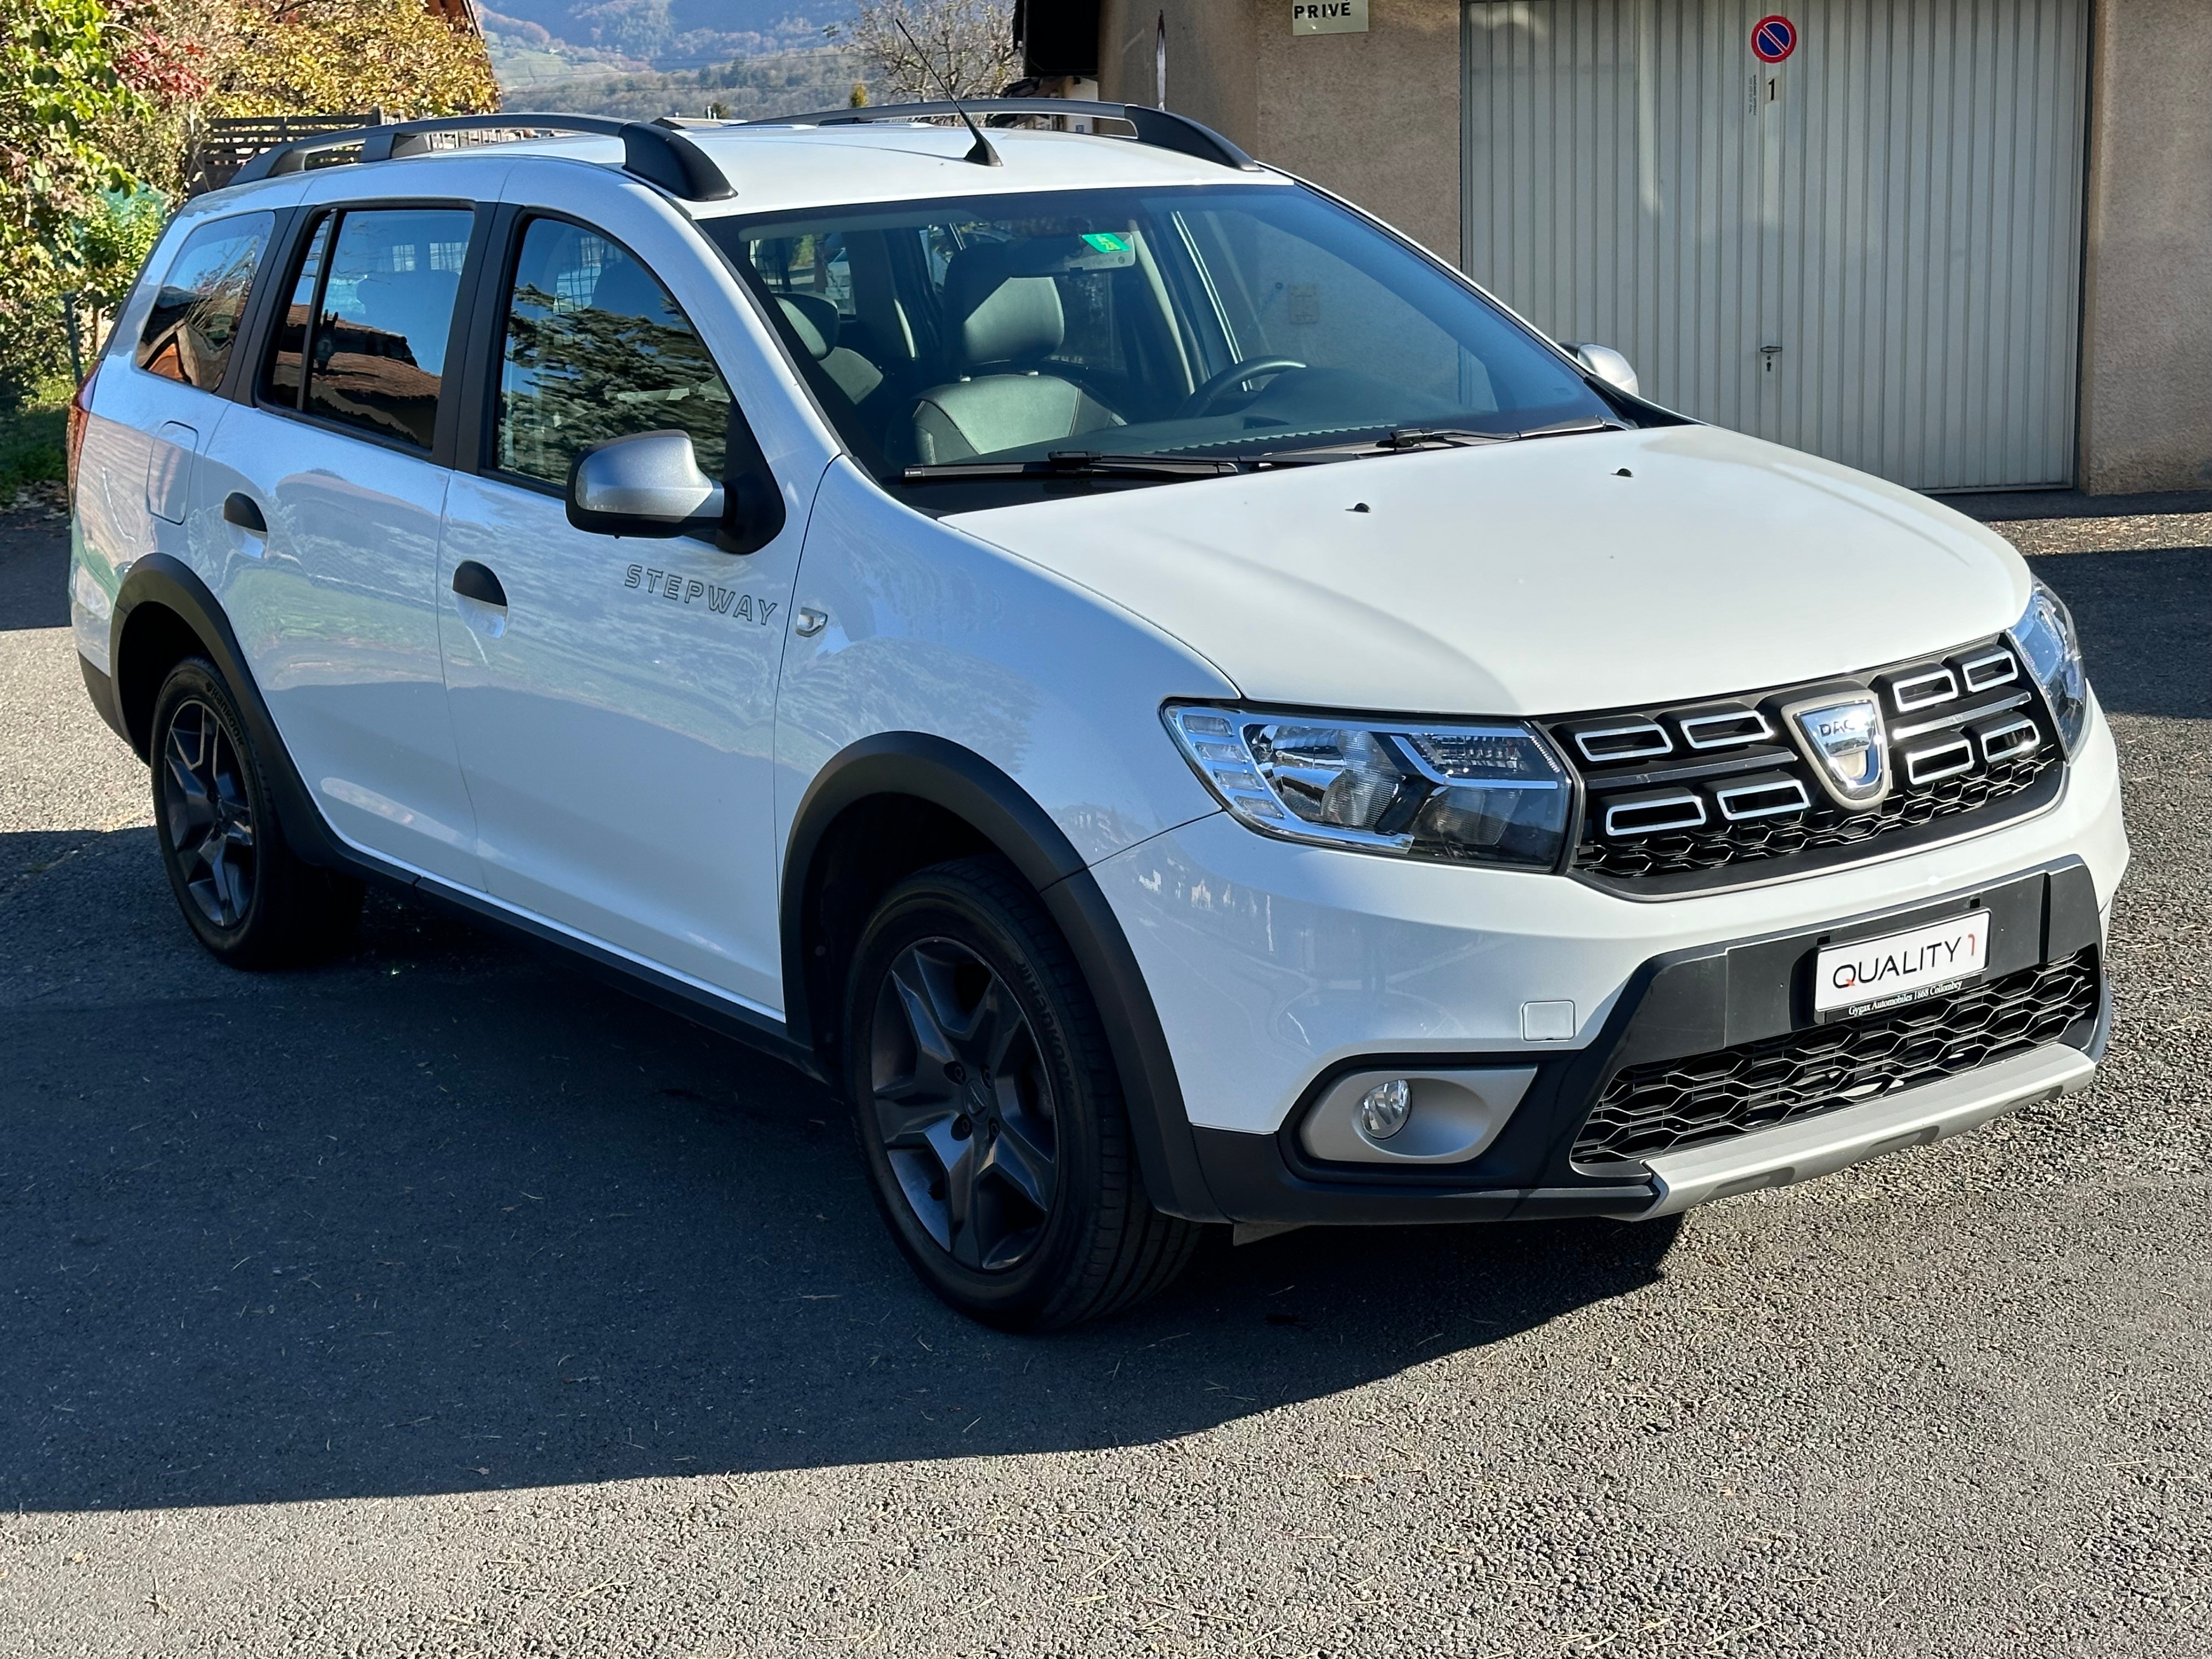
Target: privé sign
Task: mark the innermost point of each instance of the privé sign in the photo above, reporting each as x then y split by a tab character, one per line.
1328	16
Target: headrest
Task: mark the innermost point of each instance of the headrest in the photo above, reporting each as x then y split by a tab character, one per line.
1003	316
814	319
627	289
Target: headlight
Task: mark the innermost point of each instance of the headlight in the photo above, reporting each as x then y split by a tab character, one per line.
1494	792
2045	639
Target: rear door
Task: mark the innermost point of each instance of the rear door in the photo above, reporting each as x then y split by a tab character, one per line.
615	708
343	454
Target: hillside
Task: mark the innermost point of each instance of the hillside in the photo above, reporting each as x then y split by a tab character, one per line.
534	42
778	83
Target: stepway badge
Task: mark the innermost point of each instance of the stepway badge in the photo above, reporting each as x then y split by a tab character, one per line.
1328	17
1900	967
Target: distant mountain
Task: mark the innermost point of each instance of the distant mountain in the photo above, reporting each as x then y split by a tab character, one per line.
534	42
776	83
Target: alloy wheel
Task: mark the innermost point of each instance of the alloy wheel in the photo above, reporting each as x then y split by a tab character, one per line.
208	813
963	1104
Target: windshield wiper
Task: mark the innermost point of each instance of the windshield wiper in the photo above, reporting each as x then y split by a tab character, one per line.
1399	439
1393	442
1076	464
1415	437
1567	428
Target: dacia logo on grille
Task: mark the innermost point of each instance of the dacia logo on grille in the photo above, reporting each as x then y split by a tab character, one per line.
1842	736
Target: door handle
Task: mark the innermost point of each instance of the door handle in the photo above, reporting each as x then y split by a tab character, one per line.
474	581
242	510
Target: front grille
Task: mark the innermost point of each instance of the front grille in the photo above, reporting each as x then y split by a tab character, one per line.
1666	1105
1704	788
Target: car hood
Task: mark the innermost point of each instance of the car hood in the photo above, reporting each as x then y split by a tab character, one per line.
1584	572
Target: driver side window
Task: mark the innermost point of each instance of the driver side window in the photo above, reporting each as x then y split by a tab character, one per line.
596	349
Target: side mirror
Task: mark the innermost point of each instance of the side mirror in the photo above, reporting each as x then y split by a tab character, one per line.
1606	363
647	484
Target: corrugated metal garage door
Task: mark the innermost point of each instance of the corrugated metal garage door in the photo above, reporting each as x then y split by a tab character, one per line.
1870	251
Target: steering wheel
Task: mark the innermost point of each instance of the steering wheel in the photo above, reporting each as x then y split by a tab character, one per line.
1201	401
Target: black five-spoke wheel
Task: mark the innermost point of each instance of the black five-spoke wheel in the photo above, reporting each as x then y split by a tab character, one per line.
963	1104
245	894
208	813
989	1108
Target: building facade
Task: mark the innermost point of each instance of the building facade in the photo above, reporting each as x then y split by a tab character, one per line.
1965	244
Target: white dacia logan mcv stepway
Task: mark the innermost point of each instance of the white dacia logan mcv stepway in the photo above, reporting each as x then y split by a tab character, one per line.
1177	705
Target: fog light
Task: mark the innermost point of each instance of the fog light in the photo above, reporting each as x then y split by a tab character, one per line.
1384	1108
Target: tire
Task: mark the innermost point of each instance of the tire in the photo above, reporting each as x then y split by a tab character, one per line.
1013	1191
248	897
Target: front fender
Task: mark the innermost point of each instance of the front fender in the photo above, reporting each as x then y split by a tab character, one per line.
918	766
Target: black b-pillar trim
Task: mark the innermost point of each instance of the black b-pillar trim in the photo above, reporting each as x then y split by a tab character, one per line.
962	782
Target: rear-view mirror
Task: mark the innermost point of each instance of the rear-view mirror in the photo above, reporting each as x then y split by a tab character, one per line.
1606	363
647	484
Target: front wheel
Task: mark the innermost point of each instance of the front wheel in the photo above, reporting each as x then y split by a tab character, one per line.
988	1109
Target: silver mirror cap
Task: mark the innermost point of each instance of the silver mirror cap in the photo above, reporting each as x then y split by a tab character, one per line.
1606	363
647	477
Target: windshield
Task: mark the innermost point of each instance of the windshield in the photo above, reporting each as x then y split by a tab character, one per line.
1228	323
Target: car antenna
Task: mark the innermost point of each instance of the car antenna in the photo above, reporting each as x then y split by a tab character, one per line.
981	153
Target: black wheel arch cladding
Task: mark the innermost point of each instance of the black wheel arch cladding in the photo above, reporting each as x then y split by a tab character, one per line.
163	613
954	786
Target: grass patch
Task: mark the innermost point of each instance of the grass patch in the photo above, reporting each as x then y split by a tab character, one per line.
31	448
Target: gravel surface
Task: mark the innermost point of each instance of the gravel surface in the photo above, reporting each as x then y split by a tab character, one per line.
443	1302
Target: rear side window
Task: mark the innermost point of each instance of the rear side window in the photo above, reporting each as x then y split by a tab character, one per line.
196	313
370	316
596	349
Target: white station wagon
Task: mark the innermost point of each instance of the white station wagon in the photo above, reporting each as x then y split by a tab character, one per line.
1177	705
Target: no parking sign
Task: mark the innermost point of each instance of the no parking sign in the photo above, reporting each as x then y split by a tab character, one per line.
1773	39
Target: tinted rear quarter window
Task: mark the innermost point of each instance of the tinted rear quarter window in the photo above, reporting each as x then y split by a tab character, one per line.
189	333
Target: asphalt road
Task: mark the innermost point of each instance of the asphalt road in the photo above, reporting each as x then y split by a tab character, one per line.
442	1302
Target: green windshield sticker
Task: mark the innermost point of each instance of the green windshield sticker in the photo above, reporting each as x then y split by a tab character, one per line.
1106	242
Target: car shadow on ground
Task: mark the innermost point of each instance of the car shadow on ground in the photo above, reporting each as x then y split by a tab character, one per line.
444	1216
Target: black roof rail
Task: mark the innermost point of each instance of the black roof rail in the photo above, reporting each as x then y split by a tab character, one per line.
658	154
1162	129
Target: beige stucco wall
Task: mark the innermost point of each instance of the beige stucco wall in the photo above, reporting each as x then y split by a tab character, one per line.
2146	300
1374	117
1213	68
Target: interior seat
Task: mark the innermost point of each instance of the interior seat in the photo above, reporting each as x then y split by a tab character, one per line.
1005	325
814	318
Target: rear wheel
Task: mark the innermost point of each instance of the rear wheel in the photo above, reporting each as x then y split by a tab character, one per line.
988	1109
246	896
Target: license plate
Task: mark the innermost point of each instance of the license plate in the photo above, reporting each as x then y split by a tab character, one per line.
1876	973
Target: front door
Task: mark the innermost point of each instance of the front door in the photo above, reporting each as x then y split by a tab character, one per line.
614	698
334	599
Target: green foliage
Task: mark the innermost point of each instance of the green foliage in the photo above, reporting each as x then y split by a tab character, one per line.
61	89
30	448
104	249
326	57
60	84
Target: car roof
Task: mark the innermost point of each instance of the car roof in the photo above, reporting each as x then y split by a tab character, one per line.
778	169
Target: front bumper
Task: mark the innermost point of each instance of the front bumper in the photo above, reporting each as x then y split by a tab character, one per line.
1694	1006
1277	968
